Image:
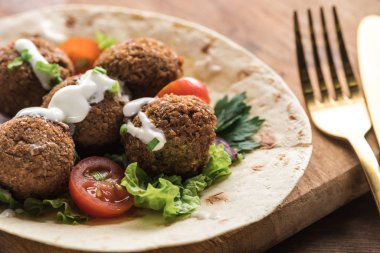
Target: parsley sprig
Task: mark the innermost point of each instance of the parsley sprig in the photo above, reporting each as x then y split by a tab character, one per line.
234	123
24	56
104	41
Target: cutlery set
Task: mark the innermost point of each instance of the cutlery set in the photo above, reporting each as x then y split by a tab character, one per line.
335	103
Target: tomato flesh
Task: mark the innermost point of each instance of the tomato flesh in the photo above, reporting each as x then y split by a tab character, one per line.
95	188
186	86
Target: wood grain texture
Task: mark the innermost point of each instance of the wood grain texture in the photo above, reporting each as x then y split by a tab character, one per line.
333	177
353	228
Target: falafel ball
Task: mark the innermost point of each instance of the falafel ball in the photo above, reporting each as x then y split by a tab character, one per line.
36	156
99	131
188	124
19	86
144	65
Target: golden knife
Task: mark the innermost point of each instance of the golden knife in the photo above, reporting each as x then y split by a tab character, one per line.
368	40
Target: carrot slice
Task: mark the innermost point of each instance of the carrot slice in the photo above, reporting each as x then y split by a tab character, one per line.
82	51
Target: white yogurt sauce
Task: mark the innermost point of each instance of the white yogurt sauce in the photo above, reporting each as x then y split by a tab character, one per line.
7	213
43	77
53	114
147	132
71	104
134	106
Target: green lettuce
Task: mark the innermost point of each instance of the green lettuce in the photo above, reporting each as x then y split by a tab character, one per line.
36	207
7	201
170	194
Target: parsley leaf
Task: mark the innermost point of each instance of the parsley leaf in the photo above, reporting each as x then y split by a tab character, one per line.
24	56
234	123
104	41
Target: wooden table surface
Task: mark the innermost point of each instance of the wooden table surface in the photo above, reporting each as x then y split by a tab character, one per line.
265	28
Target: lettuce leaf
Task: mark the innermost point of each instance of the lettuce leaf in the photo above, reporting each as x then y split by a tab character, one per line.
218	165
169	194
7	201
36	207
67	214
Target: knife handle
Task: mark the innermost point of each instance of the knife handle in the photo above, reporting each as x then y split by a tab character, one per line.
369	164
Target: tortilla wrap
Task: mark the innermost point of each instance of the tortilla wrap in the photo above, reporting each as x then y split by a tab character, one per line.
257	185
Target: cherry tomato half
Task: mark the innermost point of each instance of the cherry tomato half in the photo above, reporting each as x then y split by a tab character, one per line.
82	51
186	86
95	188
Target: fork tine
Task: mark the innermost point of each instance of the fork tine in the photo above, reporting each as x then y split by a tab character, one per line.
333	73
301	61
317	62
348	72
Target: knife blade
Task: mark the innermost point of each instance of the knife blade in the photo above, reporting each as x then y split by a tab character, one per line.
368	40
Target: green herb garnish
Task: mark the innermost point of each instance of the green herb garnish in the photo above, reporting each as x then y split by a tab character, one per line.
50	69
234	123
123	129
115	88
104	41
56	80
99	175
24	56
99	70
152	144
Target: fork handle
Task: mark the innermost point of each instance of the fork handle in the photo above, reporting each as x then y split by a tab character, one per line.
369	164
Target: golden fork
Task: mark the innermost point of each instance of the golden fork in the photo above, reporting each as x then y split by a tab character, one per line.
335	113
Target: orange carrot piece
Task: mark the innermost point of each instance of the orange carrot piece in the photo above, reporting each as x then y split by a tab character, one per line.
82	51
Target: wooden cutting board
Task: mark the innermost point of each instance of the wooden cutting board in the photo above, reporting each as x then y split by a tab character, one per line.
334	176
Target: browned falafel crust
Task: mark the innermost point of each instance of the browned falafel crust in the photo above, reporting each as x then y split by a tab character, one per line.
99	131
19	86
144	65
188	124
36	157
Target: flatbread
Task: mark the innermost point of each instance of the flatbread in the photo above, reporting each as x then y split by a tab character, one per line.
255	188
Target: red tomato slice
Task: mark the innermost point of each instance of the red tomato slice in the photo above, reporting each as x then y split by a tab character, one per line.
95	188
186	86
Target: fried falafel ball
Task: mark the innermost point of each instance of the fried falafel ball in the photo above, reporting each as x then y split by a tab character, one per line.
188	124
36	156
99	131
19	86
144	65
